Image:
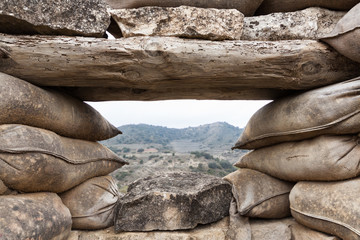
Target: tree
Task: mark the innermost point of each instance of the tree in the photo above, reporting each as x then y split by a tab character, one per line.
125	150
213	165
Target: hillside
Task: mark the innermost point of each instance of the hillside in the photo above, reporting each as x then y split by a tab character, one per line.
218	136
155	149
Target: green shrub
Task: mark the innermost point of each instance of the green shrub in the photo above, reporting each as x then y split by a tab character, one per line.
121	175
225	164
213	165
125	150
153	156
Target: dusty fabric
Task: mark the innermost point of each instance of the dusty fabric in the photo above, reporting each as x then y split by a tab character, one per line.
270	6
333	109
24	103
247	7
92	203
4	190
330	207
34	216
346	34
324	158
34	159
260	195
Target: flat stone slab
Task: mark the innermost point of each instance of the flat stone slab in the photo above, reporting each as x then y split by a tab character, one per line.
247	7
310	23
173	201
47	17
147	68
183	21
214	231
283	229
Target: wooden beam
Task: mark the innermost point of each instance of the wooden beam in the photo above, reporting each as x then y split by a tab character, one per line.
136	94
160	63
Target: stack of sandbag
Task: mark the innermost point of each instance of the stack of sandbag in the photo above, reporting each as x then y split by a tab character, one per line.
345	36
311	137
48	146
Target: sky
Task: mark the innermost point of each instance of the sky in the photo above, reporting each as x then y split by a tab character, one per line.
178	113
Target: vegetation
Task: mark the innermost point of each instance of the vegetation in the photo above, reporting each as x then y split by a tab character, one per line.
204	149
202	154
209	134
153	156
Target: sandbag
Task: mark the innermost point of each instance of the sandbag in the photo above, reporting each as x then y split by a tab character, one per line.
259	195
330	207
271	6
324	158
346	34
92	203
34	216
34	159
247	7
4	190
333	109
24	103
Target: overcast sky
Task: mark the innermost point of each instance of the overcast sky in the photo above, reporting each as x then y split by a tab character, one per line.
178	113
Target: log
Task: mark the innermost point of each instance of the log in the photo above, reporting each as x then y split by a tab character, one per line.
161	63
199	93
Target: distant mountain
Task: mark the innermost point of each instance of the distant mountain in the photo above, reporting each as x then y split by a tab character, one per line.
215	135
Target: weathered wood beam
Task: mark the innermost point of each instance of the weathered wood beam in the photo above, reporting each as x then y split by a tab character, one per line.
158	63
135	94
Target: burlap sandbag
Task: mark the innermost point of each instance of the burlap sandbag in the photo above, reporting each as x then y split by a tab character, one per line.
92	203
271	6
330	207
24	103
34	216
34	159
247	7
260	195
346	34
333	109
4	190
324	158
